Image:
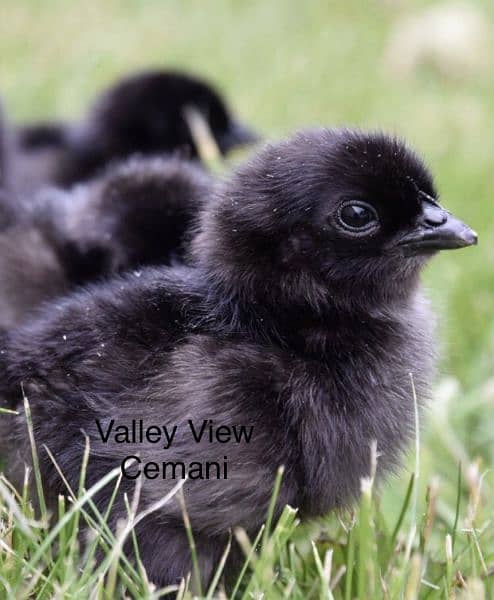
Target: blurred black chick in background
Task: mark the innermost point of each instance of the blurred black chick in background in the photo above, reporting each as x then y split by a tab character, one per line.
302	317
144	113
139	212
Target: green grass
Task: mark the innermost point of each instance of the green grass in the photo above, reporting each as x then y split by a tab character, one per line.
286	64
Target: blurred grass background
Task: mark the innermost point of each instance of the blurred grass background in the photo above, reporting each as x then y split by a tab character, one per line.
286	64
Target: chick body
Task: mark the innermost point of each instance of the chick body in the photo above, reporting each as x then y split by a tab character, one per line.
301	317
140	212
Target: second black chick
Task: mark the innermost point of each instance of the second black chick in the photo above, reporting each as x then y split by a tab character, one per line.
301	321
140	212
144	113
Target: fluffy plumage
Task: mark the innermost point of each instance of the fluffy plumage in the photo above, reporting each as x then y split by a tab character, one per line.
138	213
140	114
302	316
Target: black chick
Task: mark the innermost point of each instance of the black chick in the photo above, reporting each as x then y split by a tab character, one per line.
140	212
302	318
143	113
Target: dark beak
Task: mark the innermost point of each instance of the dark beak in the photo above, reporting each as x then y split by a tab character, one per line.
237	134
437	229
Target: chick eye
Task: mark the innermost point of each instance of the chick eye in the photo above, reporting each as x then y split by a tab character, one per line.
357	216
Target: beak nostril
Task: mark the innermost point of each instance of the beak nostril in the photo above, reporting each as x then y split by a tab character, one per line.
434	216
435	220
